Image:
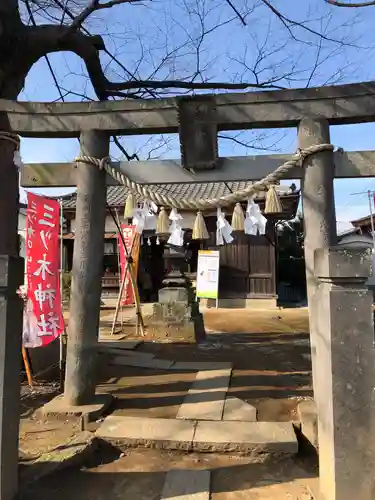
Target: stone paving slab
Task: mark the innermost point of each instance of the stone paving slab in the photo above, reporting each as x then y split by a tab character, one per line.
70	454
260	437
237	410
154	432
205	400
151	364
186	485
124	352
200	365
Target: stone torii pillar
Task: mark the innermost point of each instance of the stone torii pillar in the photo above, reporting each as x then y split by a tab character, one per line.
345	385
11	308
87	272
318	212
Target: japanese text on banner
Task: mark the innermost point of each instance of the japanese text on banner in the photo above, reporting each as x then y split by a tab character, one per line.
44	320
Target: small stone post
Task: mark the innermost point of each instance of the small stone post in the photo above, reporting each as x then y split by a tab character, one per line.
318	210
346	364
11	308
87	272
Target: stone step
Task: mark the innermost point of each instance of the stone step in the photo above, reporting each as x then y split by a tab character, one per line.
112	338
115	341
153	432
237	410
186	485
205	399
254	437
141	362
115	351
201	436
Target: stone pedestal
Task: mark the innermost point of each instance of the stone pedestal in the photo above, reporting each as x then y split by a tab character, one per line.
176	317
345	374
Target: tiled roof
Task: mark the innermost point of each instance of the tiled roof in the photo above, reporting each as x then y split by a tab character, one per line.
116	195
363	221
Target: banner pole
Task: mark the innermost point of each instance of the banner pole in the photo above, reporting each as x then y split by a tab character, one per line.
131	273
63	334
123	281
119	267
27	366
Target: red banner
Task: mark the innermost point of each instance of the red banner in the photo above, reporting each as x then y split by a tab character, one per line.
43	320
128	233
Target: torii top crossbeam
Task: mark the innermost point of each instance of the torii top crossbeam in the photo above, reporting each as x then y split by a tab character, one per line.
341	104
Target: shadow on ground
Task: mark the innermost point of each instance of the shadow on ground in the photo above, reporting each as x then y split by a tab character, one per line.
270	371
140	474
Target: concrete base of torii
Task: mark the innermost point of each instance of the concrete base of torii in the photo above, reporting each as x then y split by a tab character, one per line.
58	408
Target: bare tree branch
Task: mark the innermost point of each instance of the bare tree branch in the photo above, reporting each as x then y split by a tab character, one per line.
109	54
116	88
51	38
123	150
289	23
189	62
95	5
238	14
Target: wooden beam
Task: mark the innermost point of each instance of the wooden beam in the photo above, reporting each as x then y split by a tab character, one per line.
341	104
241	168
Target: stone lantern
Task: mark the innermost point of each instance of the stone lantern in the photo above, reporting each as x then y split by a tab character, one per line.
176	316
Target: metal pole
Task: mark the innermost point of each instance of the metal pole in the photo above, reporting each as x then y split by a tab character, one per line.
372	221
63	336
119	267
372	230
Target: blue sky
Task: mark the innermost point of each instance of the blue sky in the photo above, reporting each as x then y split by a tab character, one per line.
161	40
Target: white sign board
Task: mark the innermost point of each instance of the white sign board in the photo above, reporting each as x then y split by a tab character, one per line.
208	274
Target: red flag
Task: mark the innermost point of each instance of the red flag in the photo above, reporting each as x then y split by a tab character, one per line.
43	319
128	233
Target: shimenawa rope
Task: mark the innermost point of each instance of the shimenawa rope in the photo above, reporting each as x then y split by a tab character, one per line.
10	137
201	204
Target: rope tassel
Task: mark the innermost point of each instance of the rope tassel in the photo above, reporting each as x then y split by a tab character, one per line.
162	225
238	218
200	229
273	203
129	206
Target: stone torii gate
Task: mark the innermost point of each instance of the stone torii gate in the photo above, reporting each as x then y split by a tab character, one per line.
340	306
